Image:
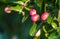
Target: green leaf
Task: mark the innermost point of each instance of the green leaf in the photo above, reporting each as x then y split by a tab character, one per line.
24	0
54	25
53	36
24	19
59	16
16	8
44	29
49	20
58	30
19	2
33	30
59	12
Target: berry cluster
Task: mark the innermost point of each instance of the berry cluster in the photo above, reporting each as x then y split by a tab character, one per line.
36	17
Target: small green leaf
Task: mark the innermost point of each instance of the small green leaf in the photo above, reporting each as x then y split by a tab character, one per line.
24	19
58	30
54	25
49	20
44	29
59	17
24	0
19	2
16	8
33	30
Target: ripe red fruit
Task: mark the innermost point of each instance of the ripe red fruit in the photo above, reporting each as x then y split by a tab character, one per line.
7	10
44	16
35	17
32	12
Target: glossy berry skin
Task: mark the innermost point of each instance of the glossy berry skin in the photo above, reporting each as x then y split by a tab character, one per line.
35	17
44	16
32	12
7	10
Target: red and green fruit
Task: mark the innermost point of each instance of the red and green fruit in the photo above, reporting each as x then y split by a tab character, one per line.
7	10
35	17
32	12
44	16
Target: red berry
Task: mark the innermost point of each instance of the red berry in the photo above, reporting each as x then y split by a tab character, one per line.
35	17
44	16
7	10
32	12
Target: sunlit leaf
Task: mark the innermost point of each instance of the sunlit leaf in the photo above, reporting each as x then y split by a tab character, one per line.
54	25
19	2
49	20
33	30
16	8
24	0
